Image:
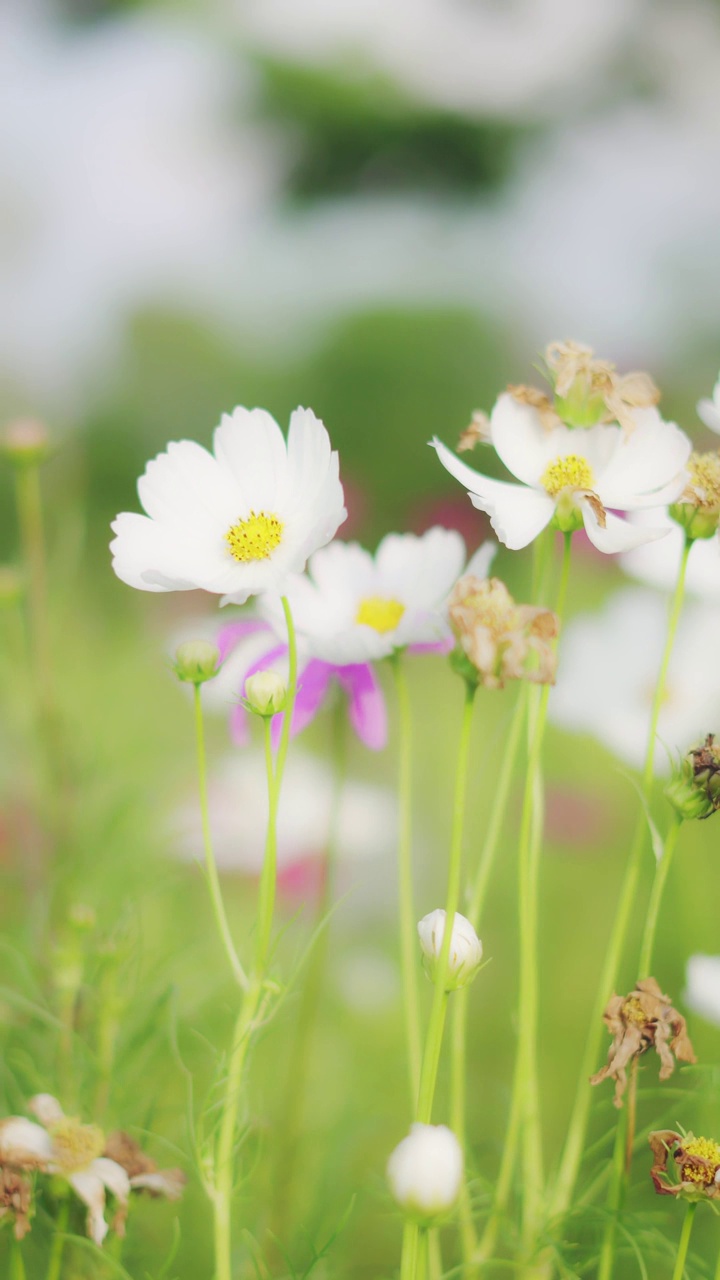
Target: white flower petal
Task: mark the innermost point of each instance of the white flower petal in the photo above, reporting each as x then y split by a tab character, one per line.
709	410
46	1108
250	444
24	1143
163	1182
185	487
479	564
617	534
113	1177
89	1187
658	563
148	556
520	439
517	514
647	464
702	992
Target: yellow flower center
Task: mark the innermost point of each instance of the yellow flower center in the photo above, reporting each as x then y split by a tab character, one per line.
570	472
379	613
255	538
75	1145
707	1149
704	473
633	1011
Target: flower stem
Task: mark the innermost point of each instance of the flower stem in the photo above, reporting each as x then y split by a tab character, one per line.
408	922
687	1227
577	1128
433	1043
408	1261
423	1254
216	898
17	1266
29	504
58	1244
651	920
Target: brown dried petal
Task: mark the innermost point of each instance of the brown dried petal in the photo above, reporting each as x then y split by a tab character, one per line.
477	431
661	1142
16	1200
128	1153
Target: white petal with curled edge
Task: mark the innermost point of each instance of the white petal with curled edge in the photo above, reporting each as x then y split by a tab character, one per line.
617	535
116	1181
24	1144
517	514
88	1186
162	1182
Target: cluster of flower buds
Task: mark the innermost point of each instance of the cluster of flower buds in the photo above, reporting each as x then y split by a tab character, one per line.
81	1156
694	791
697	1161
642	1020
498	639
465	952
697	510
425	1172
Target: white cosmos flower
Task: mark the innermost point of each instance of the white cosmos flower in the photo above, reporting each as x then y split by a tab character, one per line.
236	521
610	663
709	410
425	1170
354	607
72	1151
658	563
702	990
580	476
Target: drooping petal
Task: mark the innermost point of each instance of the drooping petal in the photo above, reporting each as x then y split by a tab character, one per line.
368	715
478	566
160	1182
115	1179
616	535
24	1144
313	681
517	514
89	1188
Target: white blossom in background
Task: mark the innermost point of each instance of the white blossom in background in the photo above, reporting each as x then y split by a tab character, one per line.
425	1171
657	563
709	410
238	815
702	987
608	671
465	952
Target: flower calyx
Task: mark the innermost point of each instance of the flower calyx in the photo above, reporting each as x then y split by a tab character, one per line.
265	694
499	639
697	1161
694	791
697	511
641	1020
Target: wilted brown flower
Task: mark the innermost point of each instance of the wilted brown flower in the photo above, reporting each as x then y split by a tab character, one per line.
539	400
15	1200
141	1169
697	510
698	1161
642	1020
592	391
477	430
500	638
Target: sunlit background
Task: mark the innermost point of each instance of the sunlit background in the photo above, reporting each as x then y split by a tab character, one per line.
383	209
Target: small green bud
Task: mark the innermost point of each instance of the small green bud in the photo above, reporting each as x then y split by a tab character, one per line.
582	406
265	693
694	791
687	799
197	661
696	522
25	442
568	516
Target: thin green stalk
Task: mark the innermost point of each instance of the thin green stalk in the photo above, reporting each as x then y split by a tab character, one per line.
58	1244
423	1254
408	1261
717	1268
685	1234
433	1043
29	504
656	895
268	879
408	919
577	1128
216	898
17	1266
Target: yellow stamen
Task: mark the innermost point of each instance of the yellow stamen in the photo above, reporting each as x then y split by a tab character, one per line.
570	472
75	1145
633	1011
255	538
379	613
706	1149
704	473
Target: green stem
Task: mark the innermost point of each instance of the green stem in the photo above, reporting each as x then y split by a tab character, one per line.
58	1244
268	878
717	1268
408	919
433	1043
17	1266
29	504
423	1254
408	1260
685	1234
656	895
213	880
577	1128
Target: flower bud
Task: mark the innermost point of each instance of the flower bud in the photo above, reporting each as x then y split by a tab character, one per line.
465	948
197	661
694	791
425	1171
265	693
25	441
697	511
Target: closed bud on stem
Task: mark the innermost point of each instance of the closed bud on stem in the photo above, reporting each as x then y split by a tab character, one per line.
698	509
25	442
265	693
694	791
465	952
197	661
425	1172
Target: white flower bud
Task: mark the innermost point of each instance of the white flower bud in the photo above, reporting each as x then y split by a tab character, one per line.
265	693
465	948
425	1171
197	661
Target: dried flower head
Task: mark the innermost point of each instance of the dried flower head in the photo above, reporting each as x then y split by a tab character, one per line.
642	1020
141	1169
694	791
477	431
697	1160
501	639
588	390
697	510
15	1200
